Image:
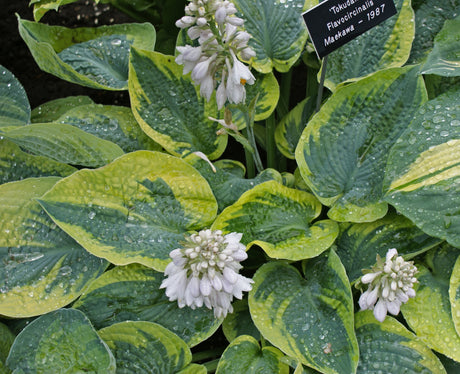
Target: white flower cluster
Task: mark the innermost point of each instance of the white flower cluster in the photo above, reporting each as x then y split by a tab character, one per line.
214	24
205	272
390	282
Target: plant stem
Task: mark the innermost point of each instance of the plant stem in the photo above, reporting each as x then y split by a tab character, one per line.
211	366
252	141
270	126
321	84
205	355
250	169
285	90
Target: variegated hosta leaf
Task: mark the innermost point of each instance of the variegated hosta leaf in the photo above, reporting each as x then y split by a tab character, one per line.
344	148
359	243
444	59
14	104
52	110
113	123
244	355
92	57
41	268
429	313
133	293
278	32
422	177
430	16
384	46
168	107
266	86
389	347
16	164
59	341
454	295
64	143
278	219
145	347
239	322
228	182
135	209
308	317
289	130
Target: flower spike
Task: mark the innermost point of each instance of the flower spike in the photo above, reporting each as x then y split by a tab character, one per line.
221	39
390	284
205	272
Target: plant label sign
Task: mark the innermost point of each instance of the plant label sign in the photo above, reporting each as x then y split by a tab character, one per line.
334	23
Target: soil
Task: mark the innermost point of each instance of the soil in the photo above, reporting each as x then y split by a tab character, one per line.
15	56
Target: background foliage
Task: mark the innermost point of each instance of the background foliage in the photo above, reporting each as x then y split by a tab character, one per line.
94	197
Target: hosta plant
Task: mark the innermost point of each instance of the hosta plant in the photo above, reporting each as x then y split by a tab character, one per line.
237	217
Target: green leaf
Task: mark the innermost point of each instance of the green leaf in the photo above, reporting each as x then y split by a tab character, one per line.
428	314
239	322
278	219
389	347
133	293
437	85
359	243
145	347
41	268
52	110
290	128
135	209
113	123
423	171
444	59
385	46
16	164
43	6
430	16
244	355
228	182
14	104
168	106
454	295
311	318
92	57
278	32
64	143
6	341
61	340
344	148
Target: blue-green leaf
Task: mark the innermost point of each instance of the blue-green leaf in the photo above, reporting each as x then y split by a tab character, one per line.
444	59
278	32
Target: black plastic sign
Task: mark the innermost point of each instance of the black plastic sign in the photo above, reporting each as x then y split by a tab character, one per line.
334	23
